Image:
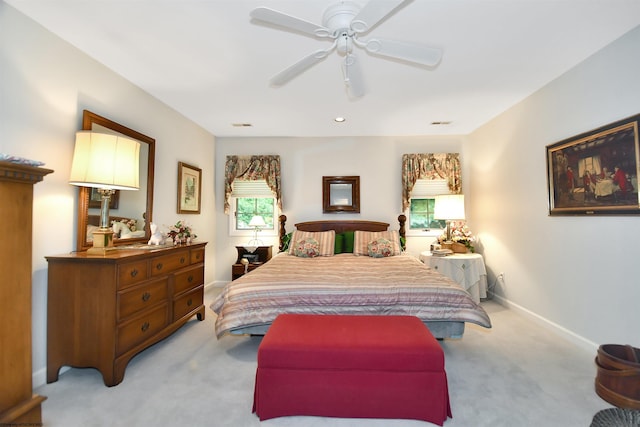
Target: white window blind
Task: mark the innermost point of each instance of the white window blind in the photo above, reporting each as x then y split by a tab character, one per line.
430	187
257	188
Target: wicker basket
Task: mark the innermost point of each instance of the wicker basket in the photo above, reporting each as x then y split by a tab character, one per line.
456	247
618	377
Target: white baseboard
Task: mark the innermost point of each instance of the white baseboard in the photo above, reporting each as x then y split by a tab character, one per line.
39	377
574	338
216	284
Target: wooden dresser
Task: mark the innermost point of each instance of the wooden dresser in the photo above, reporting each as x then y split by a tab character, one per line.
18	404
103	310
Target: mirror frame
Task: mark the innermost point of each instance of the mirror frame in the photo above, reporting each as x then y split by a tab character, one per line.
88	120
328	206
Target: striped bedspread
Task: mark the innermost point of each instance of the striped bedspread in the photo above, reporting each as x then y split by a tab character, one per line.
343	284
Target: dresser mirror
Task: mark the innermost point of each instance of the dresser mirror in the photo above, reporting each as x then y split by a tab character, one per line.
133	207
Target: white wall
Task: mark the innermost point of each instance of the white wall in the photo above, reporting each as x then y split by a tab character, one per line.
44	87
580	273
304	161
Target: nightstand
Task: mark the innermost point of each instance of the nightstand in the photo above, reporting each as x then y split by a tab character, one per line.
467	270
256	258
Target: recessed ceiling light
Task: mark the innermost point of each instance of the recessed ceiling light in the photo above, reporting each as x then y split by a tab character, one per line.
241	125
339	119
440	123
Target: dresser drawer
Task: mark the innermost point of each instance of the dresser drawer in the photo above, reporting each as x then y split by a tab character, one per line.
142	327
188	279
141	297
188	302
167	263
197	255
132	272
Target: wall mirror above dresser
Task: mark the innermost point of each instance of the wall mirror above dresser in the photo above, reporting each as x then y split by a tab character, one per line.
133	207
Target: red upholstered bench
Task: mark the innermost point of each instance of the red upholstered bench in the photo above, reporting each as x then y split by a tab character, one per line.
351	367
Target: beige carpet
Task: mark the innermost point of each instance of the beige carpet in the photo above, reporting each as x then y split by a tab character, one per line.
515	374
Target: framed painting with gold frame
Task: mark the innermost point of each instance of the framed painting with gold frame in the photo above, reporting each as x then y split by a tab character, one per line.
596	172
189	188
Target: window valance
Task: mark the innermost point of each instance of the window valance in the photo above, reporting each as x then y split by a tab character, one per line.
251	168
430	166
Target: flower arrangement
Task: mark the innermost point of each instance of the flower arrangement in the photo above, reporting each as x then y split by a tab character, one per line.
460	233
181	233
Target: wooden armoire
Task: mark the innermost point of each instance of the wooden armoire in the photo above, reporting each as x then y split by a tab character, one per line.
18	404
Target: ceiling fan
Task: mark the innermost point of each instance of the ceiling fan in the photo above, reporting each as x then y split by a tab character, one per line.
344	22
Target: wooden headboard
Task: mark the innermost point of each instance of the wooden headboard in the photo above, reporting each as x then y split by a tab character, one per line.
341	226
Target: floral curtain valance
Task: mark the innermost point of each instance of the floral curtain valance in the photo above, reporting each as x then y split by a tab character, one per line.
252	168
429	166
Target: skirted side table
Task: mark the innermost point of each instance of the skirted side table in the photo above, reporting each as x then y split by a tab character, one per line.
467	270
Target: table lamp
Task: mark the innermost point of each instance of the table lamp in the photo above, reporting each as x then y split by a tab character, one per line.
108	163
449	207
257	222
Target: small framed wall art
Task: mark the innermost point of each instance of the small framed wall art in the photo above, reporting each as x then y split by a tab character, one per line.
596	173
340	194
189	188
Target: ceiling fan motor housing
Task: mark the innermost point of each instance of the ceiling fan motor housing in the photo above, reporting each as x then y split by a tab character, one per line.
338	17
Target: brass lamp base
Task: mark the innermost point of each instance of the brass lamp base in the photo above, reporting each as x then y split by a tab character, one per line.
102	242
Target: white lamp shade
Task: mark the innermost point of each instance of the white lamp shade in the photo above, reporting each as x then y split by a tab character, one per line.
102	160
449	207
257	221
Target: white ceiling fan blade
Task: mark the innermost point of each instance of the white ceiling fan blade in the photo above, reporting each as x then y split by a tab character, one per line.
352	73
305	63
406	51
373	13
287	21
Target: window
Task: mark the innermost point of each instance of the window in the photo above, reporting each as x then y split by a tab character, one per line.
247	207
420	215
251	198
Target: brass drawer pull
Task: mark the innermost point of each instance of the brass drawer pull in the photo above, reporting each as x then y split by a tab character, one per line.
145	326
134	272
189	302
190	279
159	266
182	260
146	296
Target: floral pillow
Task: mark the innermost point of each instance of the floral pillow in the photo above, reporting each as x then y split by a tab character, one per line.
380	248
362	239
324	239
306	248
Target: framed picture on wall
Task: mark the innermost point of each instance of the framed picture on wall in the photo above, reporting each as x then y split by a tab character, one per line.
189	187
596	173
340	194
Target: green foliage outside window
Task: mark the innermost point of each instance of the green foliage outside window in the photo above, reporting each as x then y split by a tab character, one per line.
247	207
421	215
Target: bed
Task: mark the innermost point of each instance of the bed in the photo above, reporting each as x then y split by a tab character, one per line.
376	277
